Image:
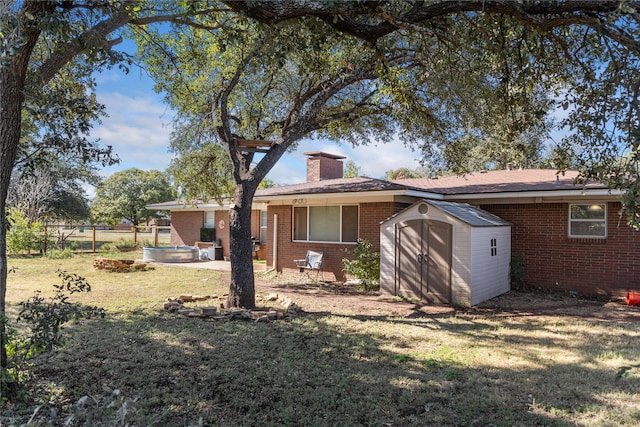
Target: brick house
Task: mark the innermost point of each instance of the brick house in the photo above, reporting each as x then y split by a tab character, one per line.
188	220
566	237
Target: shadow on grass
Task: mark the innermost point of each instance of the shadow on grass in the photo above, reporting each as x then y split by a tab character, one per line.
326	369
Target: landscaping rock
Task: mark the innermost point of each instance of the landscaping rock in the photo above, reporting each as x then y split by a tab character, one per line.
271	297
209	311
173	304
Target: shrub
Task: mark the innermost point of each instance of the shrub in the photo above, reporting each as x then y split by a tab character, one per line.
120	245
45	316
124	245
58	254
365	265
517	272
23	236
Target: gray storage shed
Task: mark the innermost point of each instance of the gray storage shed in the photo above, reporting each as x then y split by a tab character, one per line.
445	252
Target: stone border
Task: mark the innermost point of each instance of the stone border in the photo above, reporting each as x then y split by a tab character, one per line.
176	305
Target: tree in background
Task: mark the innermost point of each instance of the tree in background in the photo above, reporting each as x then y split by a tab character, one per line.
351	170
126	194
54	190
405	173
505	142
33	194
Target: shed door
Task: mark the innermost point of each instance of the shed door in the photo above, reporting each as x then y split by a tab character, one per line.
423	260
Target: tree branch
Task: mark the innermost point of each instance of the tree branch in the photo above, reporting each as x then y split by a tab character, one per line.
354	18
66	53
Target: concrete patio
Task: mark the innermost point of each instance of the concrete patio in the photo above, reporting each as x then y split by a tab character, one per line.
207	264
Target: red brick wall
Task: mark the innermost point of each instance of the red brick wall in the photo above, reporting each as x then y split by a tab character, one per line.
319	168
371	214
554	261
185	227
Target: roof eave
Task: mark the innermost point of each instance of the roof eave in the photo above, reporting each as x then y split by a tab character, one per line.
542	194
332	195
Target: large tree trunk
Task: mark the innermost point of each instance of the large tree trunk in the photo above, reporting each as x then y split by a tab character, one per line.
11	99
241	290
12	81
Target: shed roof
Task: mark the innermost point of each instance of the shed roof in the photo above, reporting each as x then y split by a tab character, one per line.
469	214
463	212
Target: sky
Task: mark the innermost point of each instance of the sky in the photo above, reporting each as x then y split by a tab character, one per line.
139	125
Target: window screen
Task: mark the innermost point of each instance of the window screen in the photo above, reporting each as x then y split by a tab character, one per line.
588	220
326	223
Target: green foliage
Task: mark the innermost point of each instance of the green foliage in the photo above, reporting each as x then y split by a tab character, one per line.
365	265
11	376
517	272
351	170
267	183
45	316
406	173
23	236
59	253
127	193
124	245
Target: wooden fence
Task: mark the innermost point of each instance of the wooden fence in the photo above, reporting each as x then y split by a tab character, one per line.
90	238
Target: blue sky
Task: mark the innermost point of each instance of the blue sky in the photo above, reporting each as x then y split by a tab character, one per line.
139	125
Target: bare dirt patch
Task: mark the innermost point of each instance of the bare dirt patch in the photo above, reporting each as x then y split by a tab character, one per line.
344	298
534	303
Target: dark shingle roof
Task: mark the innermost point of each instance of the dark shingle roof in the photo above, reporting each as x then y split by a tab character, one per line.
342	185
498	182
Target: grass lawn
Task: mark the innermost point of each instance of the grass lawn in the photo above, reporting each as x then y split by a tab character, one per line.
320	368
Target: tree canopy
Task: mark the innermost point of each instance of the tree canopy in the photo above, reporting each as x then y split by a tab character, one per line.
126	194
432	72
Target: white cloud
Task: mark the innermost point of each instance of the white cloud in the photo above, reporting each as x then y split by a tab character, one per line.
138	129
139	125
374	160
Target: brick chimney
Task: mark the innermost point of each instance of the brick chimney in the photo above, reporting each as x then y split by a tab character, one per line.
321	166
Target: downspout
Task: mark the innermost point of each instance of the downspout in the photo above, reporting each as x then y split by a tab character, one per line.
275	244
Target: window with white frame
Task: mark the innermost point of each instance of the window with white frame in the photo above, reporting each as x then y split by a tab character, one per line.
209	219
588	220
263	227
325	223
